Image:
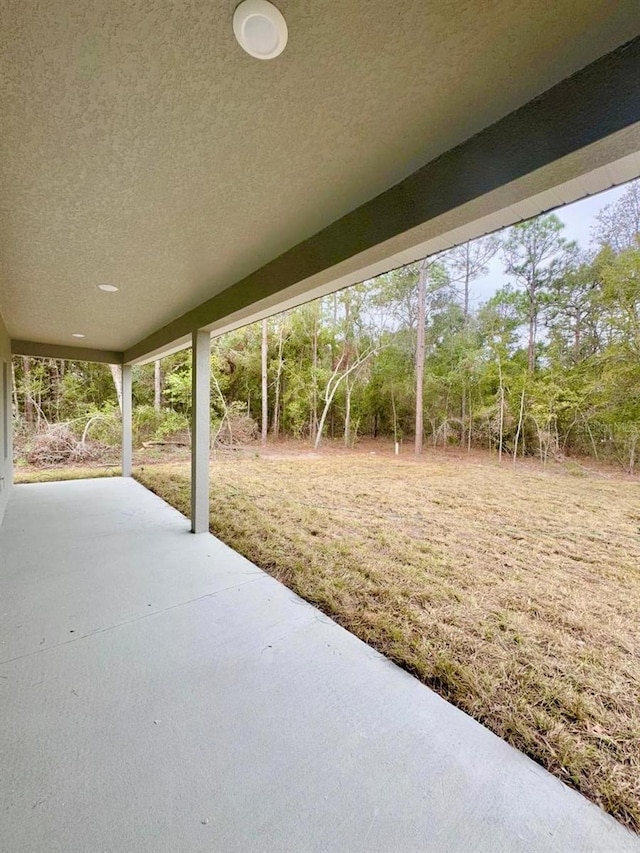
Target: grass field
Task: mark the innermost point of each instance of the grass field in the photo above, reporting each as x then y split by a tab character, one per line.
515	594
51	475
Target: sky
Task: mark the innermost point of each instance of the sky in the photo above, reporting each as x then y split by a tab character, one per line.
578	219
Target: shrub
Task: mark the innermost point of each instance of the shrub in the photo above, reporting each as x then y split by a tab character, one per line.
236	427
103	425
56	444
171	424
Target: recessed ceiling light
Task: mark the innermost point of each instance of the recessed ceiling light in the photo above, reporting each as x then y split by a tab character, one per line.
260	29
77	335
108	288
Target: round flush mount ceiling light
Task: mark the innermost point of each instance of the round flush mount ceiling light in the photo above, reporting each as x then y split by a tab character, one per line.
260	29
108	288
77	335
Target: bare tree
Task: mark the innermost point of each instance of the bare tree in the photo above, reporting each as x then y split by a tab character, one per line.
349	347
14	386
116	373
264	368
334	382
157	385
420	351
348	389
618	225
466	262
501	421
520	422
282	335
313	426
29	408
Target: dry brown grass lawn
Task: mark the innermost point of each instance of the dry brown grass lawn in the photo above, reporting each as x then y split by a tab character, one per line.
514	594
32	474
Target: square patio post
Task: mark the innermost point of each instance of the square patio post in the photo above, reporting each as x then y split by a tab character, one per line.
127	440
200	429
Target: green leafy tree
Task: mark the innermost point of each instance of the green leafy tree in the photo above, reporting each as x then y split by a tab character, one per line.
535	254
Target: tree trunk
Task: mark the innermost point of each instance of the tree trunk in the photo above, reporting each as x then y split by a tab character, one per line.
314	375
323	418
116	373
29	409
531	351
55	370
576	342
347	383
265	388
276	403
420	348
395	422
275	428
347	413
518	430
501	436
157	385
467	282
463	413
532	292
14	387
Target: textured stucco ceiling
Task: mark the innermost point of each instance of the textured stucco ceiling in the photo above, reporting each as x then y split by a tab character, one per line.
141	146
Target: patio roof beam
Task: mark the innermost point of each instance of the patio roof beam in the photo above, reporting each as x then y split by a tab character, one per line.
68	353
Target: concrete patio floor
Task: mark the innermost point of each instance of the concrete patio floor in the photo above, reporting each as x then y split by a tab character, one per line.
161	693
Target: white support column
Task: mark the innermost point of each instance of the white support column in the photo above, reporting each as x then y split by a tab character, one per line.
200	429
127	440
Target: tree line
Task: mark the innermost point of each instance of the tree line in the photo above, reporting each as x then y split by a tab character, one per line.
549	365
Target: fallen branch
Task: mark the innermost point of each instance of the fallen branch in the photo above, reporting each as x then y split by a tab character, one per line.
165	443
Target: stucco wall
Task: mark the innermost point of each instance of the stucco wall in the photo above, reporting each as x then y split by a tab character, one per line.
6	456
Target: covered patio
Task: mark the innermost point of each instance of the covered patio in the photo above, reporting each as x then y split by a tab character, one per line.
161	693
160	186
